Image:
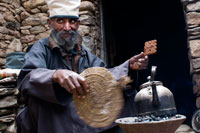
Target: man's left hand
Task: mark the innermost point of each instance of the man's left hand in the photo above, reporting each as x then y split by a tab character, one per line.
139	62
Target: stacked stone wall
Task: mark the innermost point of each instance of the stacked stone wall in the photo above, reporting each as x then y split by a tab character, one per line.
192	13
22	23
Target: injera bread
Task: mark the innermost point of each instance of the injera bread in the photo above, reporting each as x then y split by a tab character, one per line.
103	102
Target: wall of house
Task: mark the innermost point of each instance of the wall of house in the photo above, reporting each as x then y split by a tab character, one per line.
192	13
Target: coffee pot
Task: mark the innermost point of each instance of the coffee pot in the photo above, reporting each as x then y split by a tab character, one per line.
154	99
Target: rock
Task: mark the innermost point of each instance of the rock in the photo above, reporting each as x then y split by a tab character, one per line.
2	21
195	48
193	7
11	25
7	118
2	55
5	112
184	129
28	5
24	15
3	45
12	128
43	35
14	46
84	30
4	30
88	43
25	32
25	27
44	8
8	37
37	19
7	91
27	38
195	63
9	101
35	10
87	6
37	29
8	16
87	20
2	61
193	18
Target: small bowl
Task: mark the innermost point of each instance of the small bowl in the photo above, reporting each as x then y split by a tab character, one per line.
162	126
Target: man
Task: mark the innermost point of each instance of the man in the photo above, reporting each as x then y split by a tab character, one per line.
50	75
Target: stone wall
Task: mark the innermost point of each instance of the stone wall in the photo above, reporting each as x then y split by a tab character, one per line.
24	22
192	12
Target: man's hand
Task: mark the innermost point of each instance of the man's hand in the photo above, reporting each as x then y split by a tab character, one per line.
139	62
71	81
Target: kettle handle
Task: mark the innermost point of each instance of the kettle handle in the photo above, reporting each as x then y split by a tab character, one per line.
155	101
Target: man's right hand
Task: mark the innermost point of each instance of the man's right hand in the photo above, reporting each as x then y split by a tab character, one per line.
71	81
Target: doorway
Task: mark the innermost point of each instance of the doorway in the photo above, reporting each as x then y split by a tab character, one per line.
127	25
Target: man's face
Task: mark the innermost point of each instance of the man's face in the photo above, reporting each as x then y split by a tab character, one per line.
64	31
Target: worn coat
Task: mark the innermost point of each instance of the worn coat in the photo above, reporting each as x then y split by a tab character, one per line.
49	107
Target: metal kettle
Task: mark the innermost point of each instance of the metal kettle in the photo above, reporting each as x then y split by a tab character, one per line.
154	99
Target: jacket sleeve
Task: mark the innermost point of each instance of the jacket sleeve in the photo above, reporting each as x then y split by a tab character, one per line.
120	70
35	79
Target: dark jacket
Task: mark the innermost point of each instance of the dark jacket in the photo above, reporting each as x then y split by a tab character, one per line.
49	107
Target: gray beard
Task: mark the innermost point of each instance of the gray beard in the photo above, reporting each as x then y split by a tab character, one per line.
67	43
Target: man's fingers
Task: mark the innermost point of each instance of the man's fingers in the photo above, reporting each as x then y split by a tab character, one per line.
84	84
78	87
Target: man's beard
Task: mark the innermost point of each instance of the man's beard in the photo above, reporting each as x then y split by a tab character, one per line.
66	42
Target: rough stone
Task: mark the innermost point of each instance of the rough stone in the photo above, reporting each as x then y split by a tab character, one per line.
6	91
25	27
193	7
84	30
37	19
2	61
5	112
44	8
4	30
184	129
25	32
12	128
37	29
7	118
24	15
35	10
195	48
28	5
2	54
193	18
14	46
11	25
9	101
2	21
195	63
88	43
8	16
43	35
87	6
87	20
194	31
27	38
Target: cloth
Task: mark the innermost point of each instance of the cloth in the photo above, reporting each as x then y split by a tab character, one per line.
49	107
64	8
15	60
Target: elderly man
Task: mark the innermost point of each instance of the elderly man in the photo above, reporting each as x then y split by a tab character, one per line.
50	75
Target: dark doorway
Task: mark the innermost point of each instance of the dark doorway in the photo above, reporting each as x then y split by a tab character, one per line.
128	24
